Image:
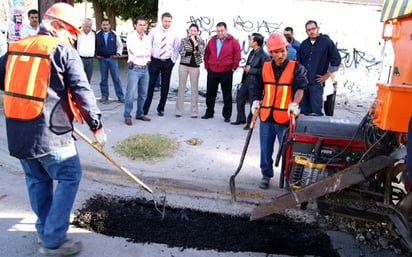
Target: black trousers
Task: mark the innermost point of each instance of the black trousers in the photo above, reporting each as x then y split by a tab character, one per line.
329	104
213	79
243	96
88	67
157	67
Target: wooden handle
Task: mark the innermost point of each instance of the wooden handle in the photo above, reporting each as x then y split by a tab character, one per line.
128	173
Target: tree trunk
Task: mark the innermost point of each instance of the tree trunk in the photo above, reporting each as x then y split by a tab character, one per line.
98	13
111	15
43	6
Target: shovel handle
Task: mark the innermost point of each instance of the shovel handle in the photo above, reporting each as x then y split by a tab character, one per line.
242	158
254	117
123	169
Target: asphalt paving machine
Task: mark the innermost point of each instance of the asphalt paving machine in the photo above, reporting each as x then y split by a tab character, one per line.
326	157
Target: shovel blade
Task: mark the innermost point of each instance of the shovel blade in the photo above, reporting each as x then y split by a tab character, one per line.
232	188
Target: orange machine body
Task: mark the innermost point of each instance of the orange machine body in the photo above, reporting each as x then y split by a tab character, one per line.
393	105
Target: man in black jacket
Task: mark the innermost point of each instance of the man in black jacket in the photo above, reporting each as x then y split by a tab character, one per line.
254	63
109	48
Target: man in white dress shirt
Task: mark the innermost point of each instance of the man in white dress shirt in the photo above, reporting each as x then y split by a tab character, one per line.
139	49
86	46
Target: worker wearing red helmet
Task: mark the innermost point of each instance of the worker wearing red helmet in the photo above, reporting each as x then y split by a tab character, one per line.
277	97
37	74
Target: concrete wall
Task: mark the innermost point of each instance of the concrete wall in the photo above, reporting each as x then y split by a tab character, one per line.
349	26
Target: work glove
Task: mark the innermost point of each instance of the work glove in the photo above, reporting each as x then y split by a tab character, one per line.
255	106
100	137
293	109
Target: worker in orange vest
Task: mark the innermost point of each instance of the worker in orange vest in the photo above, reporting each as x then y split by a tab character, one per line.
282	85
37	74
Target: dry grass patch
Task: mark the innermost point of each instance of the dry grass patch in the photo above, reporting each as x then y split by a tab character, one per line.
147	147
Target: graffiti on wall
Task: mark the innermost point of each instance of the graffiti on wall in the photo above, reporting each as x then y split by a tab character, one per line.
244	28
263	27
355	58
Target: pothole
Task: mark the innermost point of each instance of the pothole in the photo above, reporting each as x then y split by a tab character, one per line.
139	221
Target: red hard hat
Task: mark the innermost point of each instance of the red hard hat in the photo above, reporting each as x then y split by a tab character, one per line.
66	13
276	41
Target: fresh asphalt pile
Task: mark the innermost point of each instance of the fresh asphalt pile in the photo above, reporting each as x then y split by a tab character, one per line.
140	222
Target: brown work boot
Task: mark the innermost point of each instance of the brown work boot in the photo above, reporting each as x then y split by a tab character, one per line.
128	121
143	118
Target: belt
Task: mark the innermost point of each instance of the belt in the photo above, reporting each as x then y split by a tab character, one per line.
162	60
132	65
86	57
139	66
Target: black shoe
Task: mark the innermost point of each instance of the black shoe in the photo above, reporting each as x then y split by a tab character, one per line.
207	116
160	113
227	119
264	183
246	127
104	99
121	99
238	122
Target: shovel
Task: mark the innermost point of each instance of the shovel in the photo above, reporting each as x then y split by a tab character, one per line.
128	173
242	158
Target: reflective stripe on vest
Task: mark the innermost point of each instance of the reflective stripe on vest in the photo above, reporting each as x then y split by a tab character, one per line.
277	94
27	76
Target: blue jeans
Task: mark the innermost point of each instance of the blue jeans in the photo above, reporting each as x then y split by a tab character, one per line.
106	64
268	132
409	151
136	78
312	100
52	208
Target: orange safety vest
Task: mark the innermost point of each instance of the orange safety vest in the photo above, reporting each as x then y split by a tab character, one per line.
278	94
27	76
